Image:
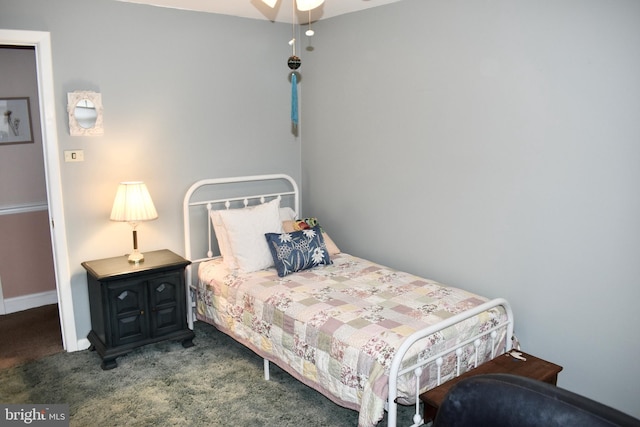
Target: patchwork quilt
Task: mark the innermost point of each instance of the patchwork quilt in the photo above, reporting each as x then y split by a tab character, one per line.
336	328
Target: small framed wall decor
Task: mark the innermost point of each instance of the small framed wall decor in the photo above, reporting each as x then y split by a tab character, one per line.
15	121
85	113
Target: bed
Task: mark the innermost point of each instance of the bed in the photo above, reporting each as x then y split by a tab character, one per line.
366	336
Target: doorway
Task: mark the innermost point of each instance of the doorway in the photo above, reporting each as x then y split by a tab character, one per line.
42	43
27	274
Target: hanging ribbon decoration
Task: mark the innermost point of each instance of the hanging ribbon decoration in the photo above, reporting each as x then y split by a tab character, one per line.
294	99
294	63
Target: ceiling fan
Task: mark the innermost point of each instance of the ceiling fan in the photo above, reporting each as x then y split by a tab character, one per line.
303	5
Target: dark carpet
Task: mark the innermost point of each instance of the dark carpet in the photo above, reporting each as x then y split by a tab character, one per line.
215	383
29	335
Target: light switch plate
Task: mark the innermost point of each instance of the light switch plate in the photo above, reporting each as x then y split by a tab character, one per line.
74	156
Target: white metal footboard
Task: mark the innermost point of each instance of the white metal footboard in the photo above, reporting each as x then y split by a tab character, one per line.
397	370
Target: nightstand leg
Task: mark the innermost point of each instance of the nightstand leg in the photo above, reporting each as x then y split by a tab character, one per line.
108	364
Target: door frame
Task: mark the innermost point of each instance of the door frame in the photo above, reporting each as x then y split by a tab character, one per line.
41	41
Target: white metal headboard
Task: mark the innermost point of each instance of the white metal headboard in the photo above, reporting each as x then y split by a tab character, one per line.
225	193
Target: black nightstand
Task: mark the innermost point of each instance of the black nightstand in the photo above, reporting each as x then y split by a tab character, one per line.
133	305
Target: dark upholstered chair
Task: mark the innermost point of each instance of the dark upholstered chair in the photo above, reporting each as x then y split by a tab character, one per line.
503	400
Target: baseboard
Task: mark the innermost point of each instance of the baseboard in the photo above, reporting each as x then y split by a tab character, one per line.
25	302
83	344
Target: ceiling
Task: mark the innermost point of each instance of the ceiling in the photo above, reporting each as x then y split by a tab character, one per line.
256	9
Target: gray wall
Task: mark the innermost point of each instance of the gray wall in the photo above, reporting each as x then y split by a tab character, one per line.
186	96
493	146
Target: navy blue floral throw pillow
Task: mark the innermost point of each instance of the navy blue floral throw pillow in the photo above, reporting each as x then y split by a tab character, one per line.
298	250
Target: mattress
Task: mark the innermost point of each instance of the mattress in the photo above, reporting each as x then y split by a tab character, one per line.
336	327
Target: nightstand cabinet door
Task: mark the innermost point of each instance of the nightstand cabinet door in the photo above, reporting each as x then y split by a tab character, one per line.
167	310
127	302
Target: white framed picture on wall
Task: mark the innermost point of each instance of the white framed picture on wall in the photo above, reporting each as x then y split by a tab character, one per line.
15	121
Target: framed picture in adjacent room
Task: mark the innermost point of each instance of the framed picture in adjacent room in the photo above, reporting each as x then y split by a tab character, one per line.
15	121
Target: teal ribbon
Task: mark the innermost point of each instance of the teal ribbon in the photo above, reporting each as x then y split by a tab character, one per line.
294	99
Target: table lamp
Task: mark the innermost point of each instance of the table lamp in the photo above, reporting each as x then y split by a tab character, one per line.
133	204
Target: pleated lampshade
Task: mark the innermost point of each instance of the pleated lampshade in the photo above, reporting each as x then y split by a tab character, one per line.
133	203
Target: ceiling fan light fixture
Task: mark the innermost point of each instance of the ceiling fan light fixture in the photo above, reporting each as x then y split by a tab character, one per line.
304	5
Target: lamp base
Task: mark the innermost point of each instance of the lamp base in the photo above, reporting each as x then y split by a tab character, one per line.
136	257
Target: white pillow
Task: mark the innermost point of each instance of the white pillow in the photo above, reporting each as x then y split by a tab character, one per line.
286	214
223	241
245	234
